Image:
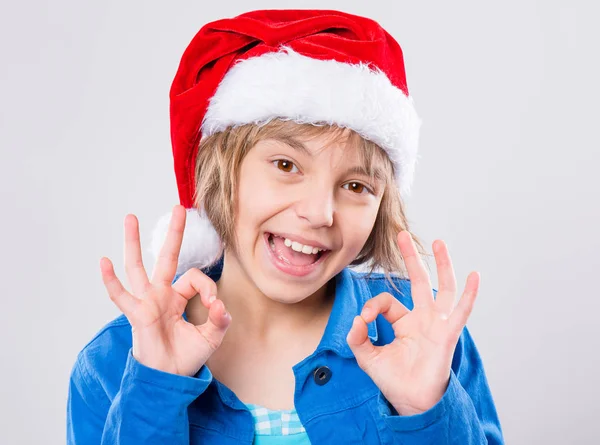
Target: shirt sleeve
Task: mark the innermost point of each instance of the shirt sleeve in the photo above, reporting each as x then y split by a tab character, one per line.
149	408
465	414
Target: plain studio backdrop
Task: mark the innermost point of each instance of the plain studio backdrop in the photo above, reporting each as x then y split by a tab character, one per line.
508	177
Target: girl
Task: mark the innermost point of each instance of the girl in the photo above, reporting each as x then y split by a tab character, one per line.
294	139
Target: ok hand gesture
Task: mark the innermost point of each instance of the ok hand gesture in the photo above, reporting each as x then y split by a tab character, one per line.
413	370
162	338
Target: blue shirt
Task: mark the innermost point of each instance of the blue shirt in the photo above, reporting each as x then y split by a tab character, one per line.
113	399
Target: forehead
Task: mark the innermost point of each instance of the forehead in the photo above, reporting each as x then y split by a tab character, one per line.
314	145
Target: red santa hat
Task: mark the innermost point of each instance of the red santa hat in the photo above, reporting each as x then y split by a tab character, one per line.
309	66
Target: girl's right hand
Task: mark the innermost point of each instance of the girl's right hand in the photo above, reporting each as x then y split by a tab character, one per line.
162	338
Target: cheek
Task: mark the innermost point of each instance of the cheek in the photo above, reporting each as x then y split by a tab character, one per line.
258	196
357	225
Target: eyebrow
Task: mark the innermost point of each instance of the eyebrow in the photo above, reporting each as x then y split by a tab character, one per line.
378	173
360	170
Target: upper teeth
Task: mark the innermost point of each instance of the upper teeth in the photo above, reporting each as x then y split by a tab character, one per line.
301	247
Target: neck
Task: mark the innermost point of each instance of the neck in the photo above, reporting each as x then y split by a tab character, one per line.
256	316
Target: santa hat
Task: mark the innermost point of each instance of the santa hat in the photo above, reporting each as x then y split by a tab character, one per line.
309	66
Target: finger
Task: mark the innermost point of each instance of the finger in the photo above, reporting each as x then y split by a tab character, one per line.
359	341
194	282
166	263
460	315
386	305
446	294
126	302
134	266
215	327
422	294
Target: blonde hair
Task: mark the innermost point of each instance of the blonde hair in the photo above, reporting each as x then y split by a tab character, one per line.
217	170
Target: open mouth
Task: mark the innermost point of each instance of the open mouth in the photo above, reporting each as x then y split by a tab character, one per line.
290	260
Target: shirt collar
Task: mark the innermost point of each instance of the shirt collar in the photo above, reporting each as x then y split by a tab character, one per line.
351	294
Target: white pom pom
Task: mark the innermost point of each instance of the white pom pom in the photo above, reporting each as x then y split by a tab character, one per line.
200	245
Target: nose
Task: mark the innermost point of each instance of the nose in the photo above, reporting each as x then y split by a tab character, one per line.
316	206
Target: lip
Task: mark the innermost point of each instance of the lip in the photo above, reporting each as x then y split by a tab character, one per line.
301	240
298	271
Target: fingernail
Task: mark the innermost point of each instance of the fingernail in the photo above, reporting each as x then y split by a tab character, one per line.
366	313
212	298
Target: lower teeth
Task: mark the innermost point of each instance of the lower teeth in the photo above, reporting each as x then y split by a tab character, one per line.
272	244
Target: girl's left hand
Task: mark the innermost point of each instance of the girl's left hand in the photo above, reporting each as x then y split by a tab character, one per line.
413	371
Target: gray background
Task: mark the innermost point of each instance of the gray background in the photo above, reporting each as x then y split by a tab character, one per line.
509	95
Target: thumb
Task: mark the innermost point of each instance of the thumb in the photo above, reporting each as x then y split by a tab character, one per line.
215	327
359	341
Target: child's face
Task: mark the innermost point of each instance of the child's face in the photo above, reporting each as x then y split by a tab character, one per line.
310	196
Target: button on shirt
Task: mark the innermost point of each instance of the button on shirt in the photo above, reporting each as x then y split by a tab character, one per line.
322	375
114	399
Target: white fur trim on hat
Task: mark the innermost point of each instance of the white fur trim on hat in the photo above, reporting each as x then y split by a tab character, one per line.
200	245
291	86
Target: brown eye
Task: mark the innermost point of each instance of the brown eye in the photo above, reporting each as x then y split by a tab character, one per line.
357	187
284	165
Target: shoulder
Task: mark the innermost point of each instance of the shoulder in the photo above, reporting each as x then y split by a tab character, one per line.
111	340
100	364
377	283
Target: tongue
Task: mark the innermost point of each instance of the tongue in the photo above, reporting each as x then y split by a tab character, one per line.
291	256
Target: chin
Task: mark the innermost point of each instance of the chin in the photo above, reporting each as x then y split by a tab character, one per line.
286	294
